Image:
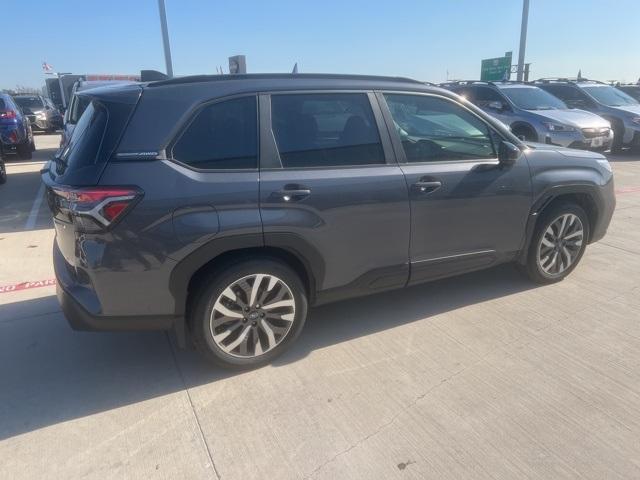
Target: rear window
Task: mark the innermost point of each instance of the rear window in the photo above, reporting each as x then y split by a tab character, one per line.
29	102
87	137
78	105
3	106
223	135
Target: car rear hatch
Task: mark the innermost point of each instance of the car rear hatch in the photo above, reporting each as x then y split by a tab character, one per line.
79	206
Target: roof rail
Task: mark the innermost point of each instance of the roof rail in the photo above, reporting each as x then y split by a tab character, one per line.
462	82
567	80
482	82
267	76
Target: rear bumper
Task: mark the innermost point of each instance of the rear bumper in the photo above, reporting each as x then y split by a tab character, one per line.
83	311
81	319
12	135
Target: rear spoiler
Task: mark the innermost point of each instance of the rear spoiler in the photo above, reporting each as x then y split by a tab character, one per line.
152	76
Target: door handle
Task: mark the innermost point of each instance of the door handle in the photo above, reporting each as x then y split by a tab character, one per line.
292	194
427	187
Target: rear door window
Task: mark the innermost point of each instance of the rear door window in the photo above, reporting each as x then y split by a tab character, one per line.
572	96
223	135
484	96
325	130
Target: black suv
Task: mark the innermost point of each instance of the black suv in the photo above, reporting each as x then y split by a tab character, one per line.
41	111
224	206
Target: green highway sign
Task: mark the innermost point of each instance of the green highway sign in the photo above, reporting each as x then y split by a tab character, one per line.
495	69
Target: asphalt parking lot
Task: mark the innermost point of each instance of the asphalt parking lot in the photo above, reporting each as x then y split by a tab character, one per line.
480	376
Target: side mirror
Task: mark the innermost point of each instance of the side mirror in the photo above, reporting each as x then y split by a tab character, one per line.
496	105
508	153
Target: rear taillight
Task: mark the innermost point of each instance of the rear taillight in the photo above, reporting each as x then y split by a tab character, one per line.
96	208
7	114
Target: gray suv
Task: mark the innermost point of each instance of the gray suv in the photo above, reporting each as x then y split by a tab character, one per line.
225	206
620	109
535	115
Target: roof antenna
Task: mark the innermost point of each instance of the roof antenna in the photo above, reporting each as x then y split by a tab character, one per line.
580	74
295	68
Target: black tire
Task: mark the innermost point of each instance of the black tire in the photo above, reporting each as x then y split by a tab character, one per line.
533	268
618	132
24	151
211	290
3	172
528	133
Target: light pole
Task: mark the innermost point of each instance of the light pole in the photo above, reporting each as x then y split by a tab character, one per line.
165	38
523	39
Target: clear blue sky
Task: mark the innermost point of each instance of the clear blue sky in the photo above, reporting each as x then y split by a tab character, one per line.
416	38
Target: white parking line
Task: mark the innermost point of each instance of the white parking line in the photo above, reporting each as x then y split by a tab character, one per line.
35	208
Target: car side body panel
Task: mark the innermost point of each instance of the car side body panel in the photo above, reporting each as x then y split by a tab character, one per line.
350	237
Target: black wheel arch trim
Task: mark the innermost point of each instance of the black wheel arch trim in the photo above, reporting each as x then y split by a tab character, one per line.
546	197
270	243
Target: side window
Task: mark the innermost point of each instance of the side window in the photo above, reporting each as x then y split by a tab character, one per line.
572	96
223	135
484	96
325	130
434	129
466	92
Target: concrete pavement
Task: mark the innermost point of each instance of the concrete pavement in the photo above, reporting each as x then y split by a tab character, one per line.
481	376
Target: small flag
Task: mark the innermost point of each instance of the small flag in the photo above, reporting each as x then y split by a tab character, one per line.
46	67
295	68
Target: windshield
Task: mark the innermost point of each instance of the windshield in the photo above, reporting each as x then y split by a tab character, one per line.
29	102
609	96
533	98
632	91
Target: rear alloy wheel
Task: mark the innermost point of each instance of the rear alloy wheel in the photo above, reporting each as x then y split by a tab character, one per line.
252	315
558	243
249	314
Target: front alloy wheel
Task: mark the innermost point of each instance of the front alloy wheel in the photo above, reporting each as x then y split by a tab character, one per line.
558	243
561	244
252	315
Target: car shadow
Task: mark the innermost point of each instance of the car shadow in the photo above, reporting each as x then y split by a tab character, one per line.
39	156
631	155
50	374
17	199
38	133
